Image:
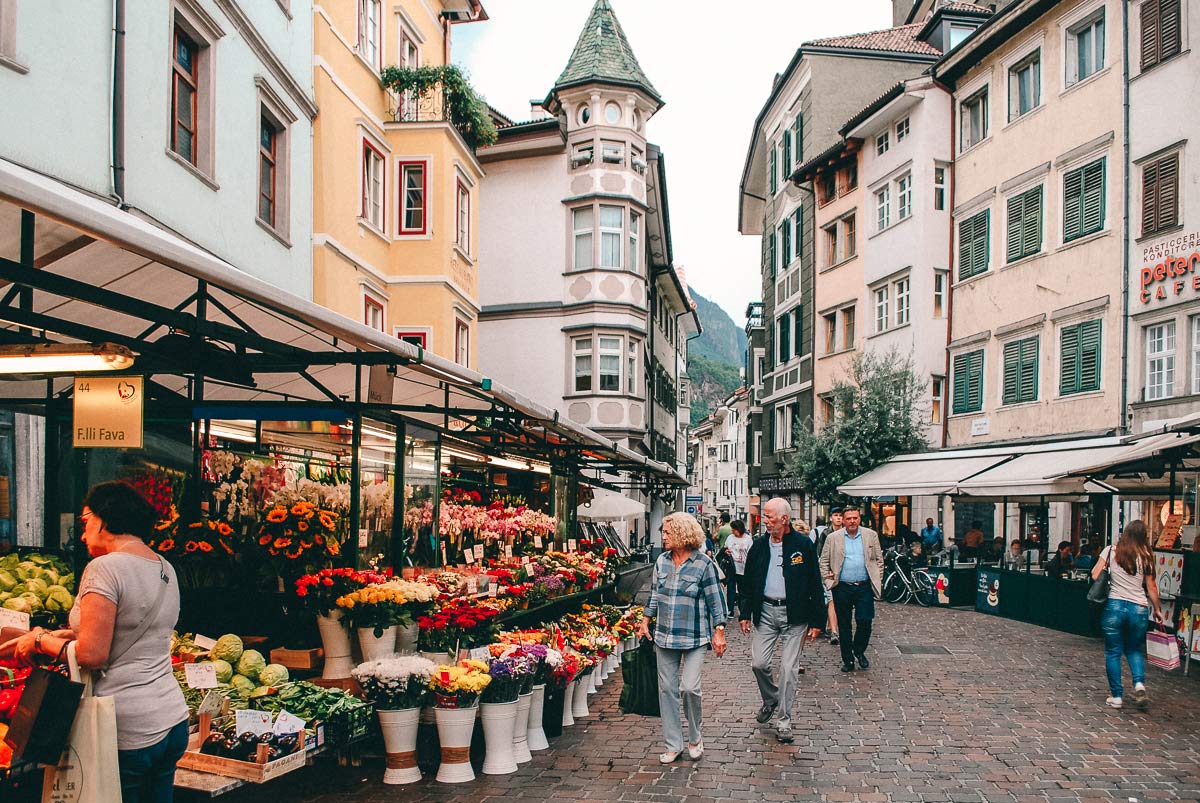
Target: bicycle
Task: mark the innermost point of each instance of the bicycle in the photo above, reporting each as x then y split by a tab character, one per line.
902	582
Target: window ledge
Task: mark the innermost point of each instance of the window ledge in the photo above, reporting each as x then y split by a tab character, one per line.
1154	67
206	179
1024	260
269	229
978	144
603	394
1087	394
891	226
1023	117
836	353
837	265
13	64
1087	238
362	59
890	330
970	414
364	224
458	249
1017	405
1173	399
1085	81
1161	233
975	278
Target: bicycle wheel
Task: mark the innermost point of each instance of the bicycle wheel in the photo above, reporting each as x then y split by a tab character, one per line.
923	588
895	589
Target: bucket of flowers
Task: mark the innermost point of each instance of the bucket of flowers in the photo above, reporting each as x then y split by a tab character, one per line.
297	539
456	689
502	705
397	687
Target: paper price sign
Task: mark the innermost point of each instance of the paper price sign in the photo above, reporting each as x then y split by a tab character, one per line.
478	552
508	550
200	676
287	723
17	619
571	545
492	590
204	642
468	556
212	704
537	542
481	654
472	586
256	722
524	560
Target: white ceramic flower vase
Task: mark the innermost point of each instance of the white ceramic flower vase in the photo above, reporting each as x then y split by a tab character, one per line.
399	729
376	648
590	680
568	703
579	706
439	658
335	641
598	676
454	732
499	723
406	638
537	704
521	729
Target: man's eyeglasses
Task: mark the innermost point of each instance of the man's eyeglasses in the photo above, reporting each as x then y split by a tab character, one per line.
83	519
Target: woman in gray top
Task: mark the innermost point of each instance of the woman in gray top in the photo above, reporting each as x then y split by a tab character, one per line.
127	605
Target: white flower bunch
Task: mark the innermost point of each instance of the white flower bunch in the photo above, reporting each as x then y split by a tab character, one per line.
395	683
413	592
553	658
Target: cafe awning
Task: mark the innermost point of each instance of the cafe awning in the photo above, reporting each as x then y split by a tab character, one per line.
1042	471
926	474
1145	463
76	269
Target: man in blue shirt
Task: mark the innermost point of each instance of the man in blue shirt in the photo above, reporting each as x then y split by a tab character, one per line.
931	538
852	567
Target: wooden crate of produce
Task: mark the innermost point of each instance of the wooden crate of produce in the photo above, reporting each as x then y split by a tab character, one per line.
345	684
260	771
298	659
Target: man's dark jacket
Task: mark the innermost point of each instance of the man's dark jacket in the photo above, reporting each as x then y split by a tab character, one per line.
801	578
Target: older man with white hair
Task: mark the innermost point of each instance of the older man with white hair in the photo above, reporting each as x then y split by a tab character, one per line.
781	592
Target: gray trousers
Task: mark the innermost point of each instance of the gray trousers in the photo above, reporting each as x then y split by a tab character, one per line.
679	674
773	626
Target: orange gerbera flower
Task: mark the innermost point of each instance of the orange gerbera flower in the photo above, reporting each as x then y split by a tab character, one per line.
299	509
318	539
190	546
326	521
302	526
224	529
228	549
264	540
205	546
195	525
277	515
274	551
333	547
282	543
306	543
295	554
166	545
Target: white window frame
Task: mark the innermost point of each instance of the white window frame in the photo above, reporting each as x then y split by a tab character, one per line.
583	234
373	186
883	207
980	95
635	230
963	30
1160	360
902	293
582	353
940	188
8	37
903	128
614	353
941	280
882	309
403	164
633	348
374	307
612	152
280	117
1032	58
369	37
188	17
882	143
904	205
785	415
616	233
462	342
937	399
462	216
1083	18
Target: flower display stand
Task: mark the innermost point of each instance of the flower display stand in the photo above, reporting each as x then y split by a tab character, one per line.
521	729
499	722
454	732
399	729
335	641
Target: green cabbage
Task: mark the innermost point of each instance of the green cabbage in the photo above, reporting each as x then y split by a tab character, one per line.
251	663
9	561
228	648
242	685
273	675
18	604
26	569
67	581
58	599
37	586
35	602
8	580
224	670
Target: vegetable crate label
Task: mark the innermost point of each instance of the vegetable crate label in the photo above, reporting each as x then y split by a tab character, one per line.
201	676
256	722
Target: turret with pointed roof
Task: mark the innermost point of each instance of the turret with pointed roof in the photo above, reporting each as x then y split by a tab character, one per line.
602	55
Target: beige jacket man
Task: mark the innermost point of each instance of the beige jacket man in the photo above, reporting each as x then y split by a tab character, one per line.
834	554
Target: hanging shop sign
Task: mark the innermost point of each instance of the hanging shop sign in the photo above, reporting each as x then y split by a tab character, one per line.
108	412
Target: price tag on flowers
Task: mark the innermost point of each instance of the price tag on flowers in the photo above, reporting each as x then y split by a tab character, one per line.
468	556
537	542
572	545
479	552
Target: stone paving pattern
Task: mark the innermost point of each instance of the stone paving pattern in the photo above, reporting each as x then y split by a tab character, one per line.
1015	714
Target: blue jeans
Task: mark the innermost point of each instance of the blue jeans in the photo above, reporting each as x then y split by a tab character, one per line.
1124	624
148	773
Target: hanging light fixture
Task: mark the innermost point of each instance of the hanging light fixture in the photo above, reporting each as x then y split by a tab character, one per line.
63	358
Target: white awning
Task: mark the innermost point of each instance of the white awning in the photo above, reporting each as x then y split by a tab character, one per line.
929	474
1040	473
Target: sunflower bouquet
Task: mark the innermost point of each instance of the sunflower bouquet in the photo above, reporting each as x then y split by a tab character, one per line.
459	685
300	537
197	549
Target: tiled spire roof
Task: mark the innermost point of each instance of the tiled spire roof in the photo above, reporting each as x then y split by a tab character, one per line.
603	54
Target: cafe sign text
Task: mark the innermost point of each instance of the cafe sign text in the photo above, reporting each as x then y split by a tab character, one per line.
1170	267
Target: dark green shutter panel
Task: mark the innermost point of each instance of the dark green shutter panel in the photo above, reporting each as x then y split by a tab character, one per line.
1031	223
975	392
774	172
799	139
1016	218
787	152
964	248
961	382
1073	204
785	235
1150	198
979	245
1093	197
1089	357
1012	368
1069	378
798	339
1167	213
1028	370
799	232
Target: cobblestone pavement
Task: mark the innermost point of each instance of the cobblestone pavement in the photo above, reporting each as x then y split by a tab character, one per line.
1014	713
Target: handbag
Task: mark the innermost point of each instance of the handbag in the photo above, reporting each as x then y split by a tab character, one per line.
639	671
1162	650
86	771
1098	592
42	722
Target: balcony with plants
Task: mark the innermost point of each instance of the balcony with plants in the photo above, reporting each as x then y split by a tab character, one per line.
439	94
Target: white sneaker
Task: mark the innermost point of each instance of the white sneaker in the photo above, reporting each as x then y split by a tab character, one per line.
1139	695
1114	702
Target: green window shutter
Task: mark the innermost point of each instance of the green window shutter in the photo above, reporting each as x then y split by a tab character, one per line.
1069	378
1072	205
774	171
964	249
1027	391
973	245
798	336
771	254
787	151
1089	355
961	383
975	384
1016	217
1093	197
799	231
1012	371
1031	224
785	237
799	128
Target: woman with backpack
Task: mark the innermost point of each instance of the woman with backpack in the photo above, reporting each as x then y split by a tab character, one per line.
1131	589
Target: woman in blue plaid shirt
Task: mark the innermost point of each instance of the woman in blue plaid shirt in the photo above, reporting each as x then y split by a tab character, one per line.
688	607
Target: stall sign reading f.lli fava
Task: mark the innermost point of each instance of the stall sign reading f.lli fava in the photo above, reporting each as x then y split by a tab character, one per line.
108	412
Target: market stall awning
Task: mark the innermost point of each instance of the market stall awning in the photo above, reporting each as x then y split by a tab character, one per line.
610	506
1145	462
76	269
926	474
1041	471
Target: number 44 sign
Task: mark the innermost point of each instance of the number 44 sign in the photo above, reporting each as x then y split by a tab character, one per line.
108	412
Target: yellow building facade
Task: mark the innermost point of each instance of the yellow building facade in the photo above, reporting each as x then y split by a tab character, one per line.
395	212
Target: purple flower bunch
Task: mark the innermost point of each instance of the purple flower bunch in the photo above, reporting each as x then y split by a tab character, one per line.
554	584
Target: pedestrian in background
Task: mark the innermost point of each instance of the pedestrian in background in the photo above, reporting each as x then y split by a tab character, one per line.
931	538
1130	565
831	622
852	565
689	612
723	532
781	595
737	547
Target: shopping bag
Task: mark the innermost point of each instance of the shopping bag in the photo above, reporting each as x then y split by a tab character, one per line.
40	727
1162	650
639	671
86	772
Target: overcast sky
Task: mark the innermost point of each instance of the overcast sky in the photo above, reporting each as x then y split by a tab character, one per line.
714	70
